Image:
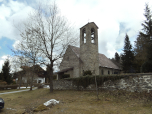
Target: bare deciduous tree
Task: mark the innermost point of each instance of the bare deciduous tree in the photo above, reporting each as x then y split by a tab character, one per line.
17	63
51	33
28	49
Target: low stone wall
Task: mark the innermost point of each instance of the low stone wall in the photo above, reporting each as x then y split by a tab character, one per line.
133	83
62	84
137	83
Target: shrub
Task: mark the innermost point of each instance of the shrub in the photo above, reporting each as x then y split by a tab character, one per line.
2	87
36	84
88	72
85	81
3	82
40	86
54	77
65	76
14	82
147	67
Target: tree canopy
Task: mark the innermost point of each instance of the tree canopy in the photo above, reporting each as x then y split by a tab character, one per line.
143	44
6	75
127	56
51	33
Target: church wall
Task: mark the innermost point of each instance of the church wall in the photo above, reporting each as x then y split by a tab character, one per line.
105	71
70	60
88	50
70	72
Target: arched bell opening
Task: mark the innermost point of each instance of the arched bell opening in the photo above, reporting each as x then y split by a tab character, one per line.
92	35
84	35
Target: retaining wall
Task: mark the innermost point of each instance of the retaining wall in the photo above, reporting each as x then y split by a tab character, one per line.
133	83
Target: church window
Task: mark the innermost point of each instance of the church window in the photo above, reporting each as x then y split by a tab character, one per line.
84	35
108	72
92	35
102	72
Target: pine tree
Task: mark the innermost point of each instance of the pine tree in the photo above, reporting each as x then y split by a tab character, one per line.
1	76
127	56
117	57
146	32
6	72
143	44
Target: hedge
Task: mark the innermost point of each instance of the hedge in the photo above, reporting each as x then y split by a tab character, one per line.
85	81
3	82
2	87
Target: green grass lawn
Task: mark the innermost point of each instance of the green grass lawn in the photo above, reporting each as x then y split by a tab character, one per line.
78	102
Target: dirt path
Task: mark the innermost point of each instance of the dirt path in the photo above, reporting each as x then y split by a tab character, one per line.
17	91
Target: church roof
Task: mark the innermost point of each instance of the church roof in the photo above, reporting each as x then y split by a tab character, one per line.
76	50
90	23
103	60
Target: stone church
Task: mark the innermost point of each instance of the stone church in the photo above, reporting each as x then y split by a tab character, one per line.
77	60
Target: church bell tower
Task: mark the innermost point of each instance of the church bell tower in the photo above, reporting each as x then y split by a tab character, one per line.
89	48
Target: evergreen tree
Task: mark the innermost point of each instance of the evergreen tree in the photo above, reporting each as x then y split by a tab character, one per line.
146	32
6	72
1	76
143	44
127	56
117	57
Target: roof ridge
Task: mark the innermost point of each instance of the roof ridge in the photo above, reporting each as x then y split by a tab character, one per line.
73	50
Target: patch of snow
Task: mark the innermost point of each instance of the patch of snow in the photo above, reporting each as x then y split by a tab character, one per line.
22	87
46	86
10	109
52	101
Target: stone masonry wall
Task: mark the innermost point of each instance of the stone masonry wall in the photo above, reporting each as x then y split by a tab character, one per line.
133	83
62	84
70	60
139	84
89	50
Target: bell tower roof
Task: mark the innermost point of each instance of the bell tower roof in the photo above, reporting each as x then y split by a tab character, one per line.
88	24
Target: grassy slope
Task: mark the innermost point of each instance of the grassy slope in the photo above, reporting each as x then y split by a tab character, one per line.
77	102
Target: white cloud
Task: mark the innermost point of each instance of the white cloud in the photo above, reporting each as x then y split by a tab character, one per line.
15	45
108	15
114	18
12	15
2	59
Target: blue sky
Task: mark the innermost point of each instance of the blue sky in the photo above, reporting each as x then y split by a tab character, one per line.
6	46
114	18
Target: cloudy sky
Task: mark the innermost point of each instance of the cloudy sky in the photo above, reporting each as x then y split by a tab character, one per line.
114	18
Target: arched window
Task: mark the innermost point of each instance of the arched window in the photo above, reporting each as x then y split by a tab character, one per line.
84	35
92	35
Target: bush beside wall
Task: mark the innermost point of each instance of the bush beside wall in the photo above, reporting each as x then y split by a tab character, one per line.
85	81
2	87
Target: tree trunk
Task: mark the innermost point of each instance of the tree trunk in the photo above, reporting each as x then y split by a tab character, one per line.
31	83
26	84
51	78
96	88
20	82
